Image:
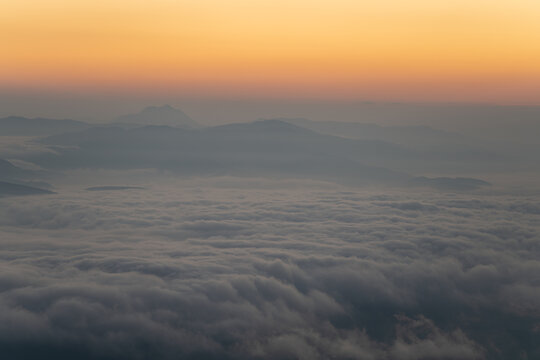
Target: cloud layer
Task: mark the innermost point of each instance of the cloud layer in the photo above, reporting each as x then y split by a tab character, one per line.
206	272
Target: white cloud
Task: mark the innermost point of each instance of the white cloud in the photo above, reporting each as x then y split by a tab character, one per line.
240	272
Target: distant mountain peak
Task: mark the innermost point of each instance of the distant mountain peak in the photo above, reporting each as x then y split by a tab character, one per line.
160	115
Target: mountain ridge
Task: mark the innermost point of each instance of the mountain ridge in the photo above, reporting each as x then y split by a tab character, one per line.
22	126
11	189
267	147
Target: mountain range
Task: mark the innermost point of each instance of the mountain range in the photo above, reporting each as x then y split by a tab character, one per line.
261	148
153	115
165	138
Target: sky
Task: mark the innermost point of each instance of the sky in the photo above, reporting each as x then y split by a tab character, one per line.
389	50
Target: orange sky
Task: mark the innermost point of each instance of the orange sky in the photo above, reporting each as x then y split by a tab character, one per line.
416	50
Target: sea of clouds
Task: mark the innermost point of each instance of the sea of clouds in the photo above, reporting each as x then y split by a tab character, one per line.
288	271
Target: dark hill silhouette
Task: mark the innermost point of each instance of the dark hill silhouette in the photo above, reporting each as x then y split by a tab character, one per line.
10	172
21	126
7	169
10	189
113	188
448	183
261	148
410	135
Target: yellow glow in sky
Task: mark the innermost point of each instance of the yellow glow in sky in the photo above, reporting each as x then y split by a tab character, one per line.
475	50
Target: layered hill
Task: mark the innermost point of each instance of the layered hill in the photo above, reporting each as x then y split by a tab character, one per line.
21	126
262	148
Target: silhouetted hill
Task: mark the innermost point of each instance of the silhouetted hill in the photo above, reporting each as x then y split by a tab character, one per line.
13	174
261	148
267	126
10	172
8	169
447	183
21	126
113	188
10	189
160	115
412	135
